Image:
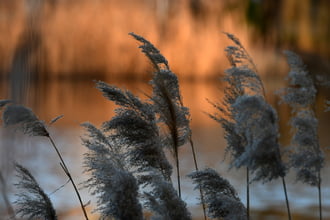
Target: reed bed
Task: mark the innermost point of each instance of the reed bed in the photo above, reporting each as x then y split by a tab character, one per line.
96	32
126	158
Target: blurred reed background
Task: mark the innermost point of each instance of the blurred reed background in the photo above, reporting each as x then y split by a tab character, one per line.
80	38
50	51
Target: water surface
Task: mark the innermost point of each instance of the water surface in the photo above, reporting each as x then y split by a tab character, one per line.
80	101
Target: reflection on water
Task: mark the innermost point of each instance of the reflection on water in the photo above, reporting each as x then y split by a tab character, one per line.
80	101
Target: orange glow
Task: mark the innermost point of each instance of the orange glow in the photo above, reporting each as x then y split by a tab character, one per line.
90	37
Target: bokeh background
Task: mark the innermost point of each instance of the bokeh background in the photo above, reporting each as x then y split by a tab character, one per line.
52	50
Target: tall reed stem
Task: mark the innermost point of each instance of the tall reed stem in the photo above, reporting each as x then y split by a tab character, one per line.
286	198
66	170
320	198
247	193
196	168
178	170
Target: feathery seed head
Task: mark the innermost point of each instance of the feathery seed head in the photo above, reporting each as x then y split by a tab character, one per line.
164	200
307	156
32	201
166	97
302	92
157	59
237	55
220	196
24	119
256	121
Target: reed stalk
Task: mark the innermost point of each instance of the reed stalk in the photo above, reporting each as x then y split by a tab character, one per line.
178	171
196	168
286	198
25	120
320	195
67	172
247	193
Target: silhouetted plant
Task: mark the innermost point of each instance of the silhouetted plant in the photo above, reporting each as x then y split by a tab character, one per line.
130	143
250	123
135	131
32	201
24	119
256	121
164	201
126	160
116	188
220	196
307	157
167	102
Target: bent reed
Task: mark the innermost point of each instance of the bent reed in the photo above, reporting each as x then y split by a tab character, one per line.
126	158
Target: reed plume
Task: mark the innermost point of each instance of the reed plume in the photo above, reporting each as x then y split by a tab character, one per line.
250	123
164	201
167	102
256	121
307	157
135	131
32	202
23	119
220	196
130	143
115	187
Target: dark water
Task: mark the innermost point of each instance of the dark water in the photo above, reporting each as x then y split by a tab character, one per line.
80	101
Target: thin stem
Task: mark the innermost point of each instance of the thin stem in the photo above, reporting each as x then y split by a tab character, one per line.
196	168
174	133
178	170
320	198
66	170
247	193
286	198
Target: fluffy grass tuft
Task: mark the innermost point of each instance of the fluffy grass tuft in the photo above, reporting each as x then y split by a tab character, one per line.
32	202
220	196
306	157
